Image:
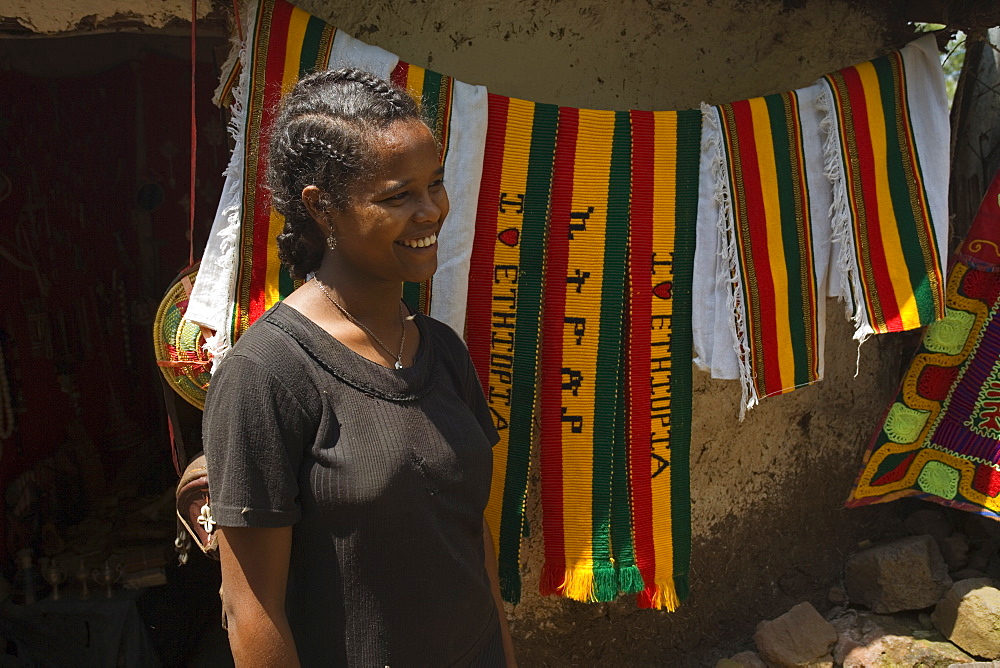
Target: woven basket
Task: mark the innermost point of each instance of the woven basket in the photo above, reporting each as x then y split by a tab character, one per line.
179	343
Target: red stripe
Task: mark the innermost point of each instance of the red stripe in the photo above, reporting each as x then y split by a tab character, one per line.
399	74
479	318
552	333
759	256
639	390
273	73
869	196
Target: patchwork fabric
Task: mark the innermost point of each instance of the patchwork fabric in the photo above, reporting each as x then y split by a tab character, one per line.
940	439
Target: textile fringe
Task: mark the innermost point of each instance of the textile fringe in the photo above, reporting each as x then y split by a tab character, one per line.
231	202
630	580
659	596
730	272
840	218
510	584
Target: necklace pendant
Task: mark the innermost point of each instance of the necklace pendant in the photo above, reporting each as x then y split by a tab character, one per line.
398	364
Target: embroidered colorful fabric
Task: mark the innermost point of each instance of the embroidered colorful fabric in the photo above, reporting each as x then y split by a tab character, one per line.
940	439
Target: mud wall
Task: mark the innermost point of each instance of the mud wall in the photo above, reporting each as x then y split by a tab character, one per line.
766	493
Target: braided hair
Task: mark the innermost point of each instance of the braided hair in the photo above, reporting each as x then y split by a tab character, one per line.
323	137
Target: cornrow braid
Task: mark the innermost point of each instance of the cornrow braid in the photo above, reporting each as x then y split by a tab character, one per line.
322	137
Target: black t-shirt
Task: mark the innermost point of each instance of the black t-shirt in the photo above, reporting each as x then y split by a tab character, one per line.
384	474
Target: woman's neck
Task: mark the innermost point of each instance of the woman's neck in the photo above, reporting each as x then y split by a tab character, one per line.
375	303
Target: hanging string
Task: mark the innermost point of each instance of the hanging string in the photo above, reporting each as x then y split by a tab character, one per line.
194	130
236	13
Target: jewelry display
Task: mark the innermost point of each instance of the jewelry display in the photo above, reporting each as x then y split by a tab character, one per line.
107	577
55	577
82	576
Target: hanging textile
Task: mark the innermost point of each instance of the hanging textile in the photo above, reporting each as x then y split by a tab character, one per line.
243	276
664	196
820	191
505	287
940	438
767	202
583	451
887	158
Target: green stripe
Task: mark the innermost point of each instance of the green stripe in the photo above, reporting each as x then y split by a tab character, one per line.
311	43
608	422
411	295
286	284
900	191
791	229
430	99
688	152
308	55
530	281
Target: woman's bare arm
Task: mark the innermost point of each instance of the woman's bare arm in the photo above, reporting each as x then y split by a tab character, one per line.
491	570
254	576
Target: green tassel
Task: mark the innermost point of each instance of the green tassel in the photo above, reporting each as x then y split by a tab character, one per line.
630	580
605	583
682	586
510	585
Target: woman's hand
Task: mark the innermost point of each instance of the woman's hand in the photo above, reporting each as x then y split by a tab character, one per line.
491	570
254	576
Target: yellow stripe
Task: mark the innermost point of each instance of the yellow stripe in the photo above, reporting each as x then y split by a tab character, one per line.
775	246
293	56
514	178
586	252
664	222
898	272
415	82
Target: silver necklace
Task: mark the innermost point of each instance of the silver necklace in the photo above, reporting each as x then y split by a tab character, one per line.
402	322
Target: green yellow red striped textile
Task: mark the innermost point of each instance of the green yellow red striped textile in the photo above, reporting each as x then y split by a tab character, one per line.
287	44
664	202
505	302
433	91
582	357
771	235
897	255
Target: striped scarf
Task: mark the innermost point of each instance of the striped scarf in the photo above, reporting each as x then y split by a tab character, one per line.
940	438
605	202
889	228
821	190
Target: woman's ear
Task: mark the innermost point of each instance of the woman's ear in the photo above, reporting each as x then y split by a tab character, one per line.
312	198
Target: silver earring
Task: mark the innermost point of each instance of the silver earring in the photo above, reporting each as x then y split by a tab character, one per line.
331	241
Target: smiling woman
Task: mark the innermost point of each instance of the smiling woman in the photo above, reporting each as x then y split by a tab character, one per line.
348	441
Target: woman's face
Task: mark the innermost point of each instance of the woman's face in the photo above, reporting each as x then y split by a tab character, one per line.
388	231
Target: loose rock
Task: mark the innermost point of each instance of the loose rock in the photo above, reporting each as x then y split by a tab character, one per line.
969	616
955	551
742	660
800	637
906	574
868	640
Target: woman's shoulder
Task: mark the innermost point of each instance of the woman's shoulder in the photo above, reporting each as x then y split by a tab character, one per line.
443	334
271	346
